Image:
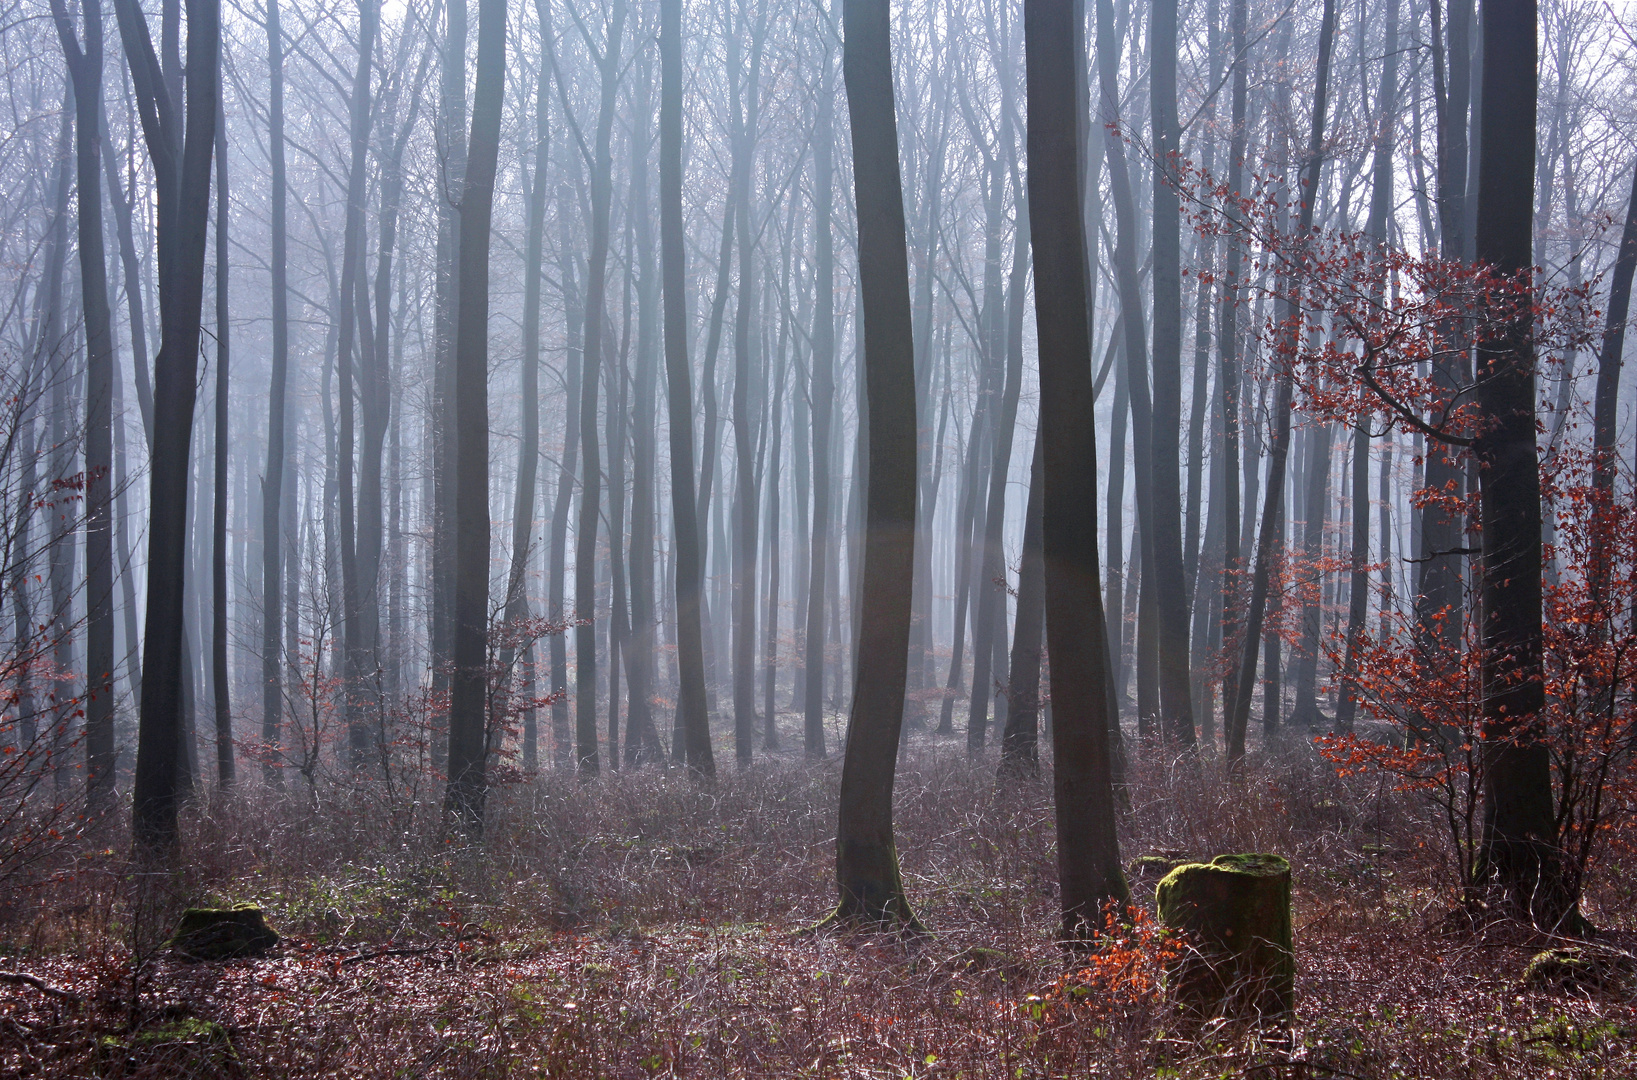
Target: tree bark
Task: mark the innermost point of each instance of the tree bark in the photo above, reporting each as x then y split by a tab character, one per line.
823	397
468	685
1087	846
1273	500
85	71
182	181
1520	850
694	721
585	556
867	875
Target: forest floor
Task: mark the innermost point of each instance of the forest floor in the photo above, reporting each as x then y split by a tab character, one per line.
642	925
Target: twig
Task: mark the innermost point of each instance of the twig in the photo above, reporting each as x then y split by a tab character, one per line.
39	984
358	958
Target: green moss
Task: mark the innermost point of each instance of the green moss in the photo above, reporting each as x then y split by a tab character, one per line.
1234	913
186	1047
223	933
1578	968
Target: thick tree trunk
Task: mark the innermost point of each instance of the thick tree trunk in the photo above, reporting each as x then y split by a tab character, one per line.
468	685
1087	846
182	179
867	875
1520	845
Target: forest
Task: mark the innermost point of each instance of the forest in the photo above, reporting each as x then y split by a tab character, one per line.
837	538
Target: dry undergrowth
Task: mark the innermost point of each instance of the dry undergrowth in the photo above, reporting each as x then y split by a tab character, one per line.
644	926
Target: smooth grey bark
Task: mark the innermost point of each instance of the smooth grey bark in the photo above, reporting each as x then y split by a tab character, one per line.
822	393
181	163
642	735
1381	201
991	597
352	258
1088	857
85	71
585	556
469	734
1020	741
274	540
1520	852
1228	373
1166	549
221	696
693	720
528	453
1273	501
867	875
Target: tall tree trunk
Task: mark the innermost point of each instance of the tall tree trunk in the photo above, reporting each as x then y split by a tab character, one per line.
642	737
452	109
1228	375
182	181
274	541
1272	502
1606	400
352	589
1170	581
1136	344
694	722
528	453
1520	849
991	580
823	397
218	547
1381	203
1088	857
85	70
1020	752
585	556
867	875
468	690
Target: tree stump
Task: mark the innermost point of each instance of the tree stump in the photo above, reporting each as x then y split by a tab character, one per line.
1234	913
223	933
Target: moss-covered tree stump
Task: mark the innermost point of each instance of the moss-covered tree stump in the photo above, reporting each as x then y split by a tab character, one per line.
1234	914
223	933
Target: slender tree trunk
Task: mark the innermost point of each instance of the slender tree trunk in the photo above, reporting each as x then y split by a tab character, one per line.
272	489
991	580
528	453
823	398
694	720
585	557
642	736
468	698
85	70
1020	752
218	560
1087	847
1239	717
1169	577
182	179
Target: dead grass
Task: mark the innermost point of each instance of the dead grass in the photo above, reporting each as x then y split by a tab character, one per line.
644	926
